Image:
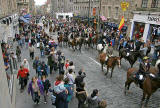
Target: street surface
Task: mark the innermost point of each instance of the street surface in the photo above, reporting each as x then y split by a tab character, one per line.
112	90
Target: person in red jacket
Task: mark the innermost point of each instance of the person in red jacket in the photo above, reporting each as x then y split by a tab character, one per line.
23	74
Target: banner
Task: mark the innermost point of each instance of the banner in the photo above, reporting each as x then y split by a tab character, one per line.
121	24
124	6
94	11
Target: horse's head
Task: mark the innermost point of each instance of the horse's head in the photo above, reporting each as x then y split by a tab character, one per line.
118	61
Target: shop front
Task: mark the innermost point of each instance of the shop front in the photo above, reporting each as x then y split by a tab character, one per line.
145	26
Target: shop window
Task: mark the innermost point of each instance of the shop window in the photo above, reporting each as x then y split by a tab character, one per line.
154	4
144	3
138	30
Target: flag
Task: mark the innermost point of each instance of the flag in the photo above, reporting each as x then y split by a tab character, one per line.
121	24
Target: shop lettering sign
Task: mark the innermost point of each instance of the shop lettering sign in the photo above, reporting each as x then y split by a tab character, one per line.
154	19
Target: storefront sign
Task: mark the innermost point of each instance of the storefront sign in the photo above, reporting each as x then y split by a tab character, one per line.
149	19
152	18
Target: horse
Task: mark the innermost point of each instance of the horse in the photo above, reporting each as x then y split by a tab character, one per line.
112	62
132	58
149	86
80	41
95	40
88	41
60	39
65	40
101	49
73	43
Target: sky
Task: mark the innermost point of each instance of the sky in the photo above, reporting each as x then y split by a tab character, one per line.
40	2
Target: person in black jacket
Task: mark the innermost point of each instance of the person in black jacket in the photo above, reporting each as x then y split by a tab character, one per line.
79	78
47	85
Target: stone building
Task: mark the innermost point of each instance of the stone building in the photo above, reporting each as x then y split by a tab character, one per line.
8	26
32	7
84	8
146	20
23	6
61	6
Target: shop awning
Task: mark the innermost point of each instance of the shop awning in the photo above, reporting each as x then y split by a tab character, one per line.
24	20
103	18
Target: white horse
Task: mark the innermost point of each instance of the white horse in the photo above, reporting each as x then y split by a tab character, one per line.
100	47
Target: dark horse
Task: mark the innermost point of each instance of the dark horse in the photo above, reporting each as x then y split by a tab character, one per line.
112	62
132	58
149	86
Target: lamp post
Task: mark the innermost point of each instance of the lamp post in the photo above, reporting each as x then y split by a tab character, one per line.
89	6
99	16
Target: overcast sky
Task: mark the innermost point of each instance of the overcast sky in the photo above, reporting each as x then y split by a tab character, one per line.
40	2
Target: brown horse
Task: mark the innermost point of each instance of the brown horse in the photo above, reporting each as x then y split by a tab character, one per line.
95	40
73	43
60	39
50	29
149	86
112	62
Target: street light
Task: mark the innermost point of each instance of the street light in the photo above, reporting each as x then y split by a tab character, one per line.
100	3
89	5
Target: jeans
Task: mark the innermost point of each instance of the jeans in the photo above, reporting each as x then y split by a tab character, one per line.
26	44
20	42
42	53
32	55
36	97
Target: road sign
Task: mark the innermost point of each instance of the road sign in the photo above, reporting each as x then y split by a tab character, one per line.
124	5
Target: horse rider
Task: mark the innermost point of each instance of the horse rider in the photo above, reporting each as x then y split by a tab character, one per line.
143	70
130	47
158	65
109	52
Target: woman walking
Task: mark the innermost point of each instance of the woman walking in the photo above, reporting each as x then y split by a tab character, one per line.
36	89
47	85
18	53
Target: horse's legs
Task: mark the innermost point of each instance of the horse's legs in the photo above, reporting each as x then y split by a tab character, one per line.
107	70
127	85
148	97
143	98
102	67
111	73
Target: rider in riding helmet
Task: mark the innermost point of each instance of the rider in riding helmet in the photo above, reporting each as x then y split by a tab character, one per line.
144	66
109	52
143	70
158	65
130	47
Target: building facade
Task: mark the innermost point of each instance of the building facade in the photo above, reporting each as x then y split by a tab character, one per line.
8	26
61	6
23	6
146	20
84	8
32	7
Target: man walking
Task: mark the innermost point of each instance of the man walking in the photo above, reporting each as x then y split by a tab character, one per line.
31	51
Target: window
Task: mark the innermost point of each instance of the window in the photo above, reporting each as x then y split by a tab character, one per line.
116	12
109	11
144	3
154	4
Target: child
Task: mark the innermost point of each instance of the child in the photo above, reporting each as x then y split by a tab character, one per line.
67	64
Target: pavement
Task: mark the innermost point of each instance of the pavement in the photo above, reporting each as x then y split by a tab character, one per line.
112	90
